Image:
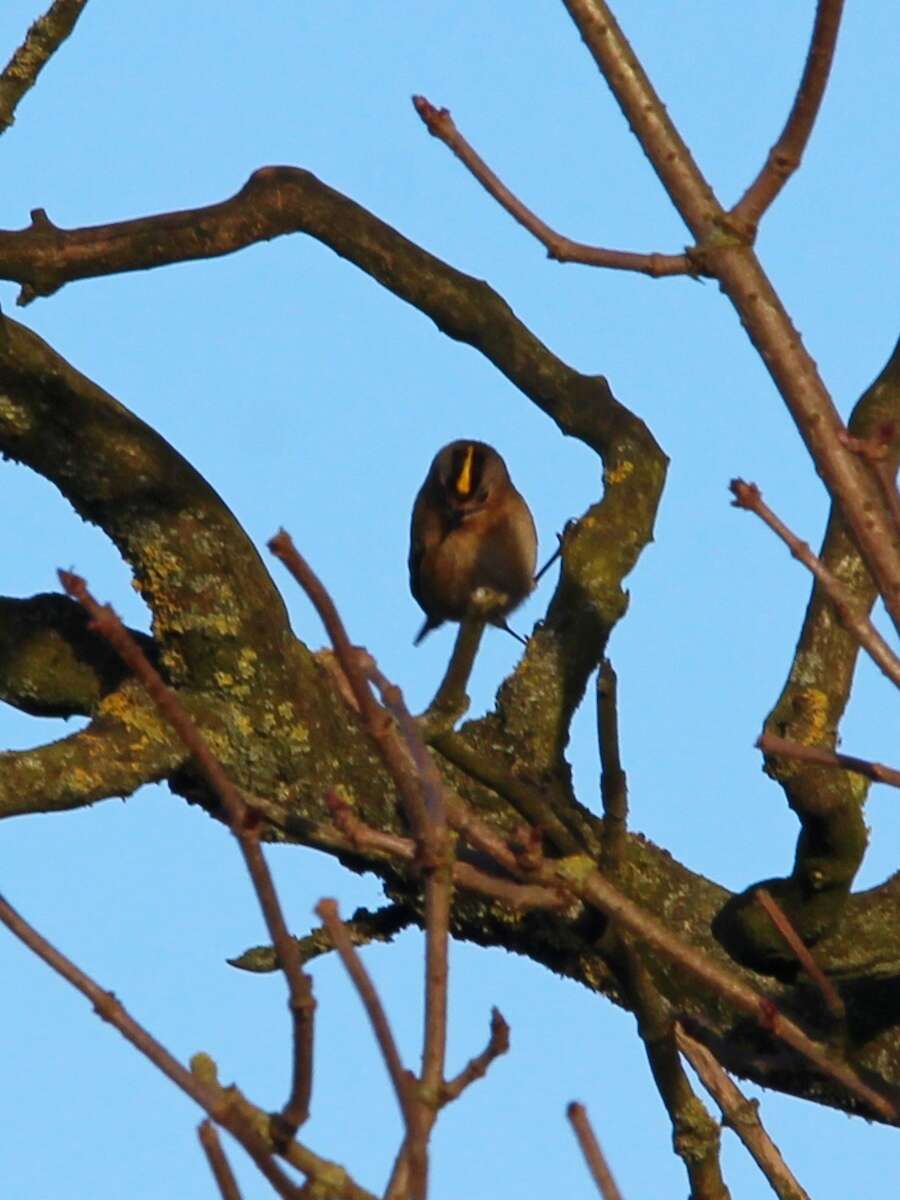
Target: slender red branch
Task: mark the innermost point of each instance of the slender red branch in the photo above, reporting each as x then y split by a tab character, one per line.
599	892
770	743
741	1115
244	824
857	624
218	1163
784	157
440	124
213	1101
725	253
356	835
782	923
477	1067
400	1077
378	723
593	1155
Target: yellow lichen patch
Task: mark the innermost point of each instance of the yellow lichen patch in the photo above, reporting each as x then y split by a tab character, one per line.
243	725
140	718
620	473
299	736
576	868
811	705
247	660
80	781
14	418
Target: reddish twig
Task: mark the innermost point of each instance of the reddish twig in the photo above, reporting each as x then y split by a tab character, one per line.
437	864
215	1102
356	835
593	1155
730	260
599	892
400	1077
244	823
378	723
477	1067
770	743
784	157
218	1163
782	923
741	1115
440	124
857	624
42	41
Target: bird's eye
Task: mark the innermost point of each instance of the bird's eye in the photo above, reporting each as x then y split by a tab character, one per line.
481	495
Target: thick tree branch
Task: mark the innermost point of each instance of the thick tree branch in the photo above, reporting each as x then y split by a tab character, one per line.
51	664
784	157
126	745
828	802
42	41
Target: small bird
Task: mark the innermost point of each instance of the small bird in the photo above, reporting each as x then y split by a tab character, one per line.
473	545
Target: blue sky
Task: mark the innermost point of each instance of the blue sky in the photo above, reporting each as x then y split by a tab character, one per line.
312	399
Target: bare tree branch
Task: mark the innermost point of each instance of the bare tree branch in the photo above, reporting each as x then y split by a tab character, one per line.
42	41
400	1077
476	1068
749	497
784	157
245	827
779	919
224	1105
593	1155
769	743
440	124
741	1115
725	253
218	1163
613	781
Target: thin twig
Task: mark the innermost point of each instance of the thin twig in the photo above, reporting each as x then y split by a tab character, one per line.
696	1137
399	1076
42	40
477	1067
440	124
436	855
613	781
450	700
216	1103
530	802
741	1115
593	1155
356	835
770	743
784	157
731	260
857	624
218	1163
244	825
782	923
378	723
